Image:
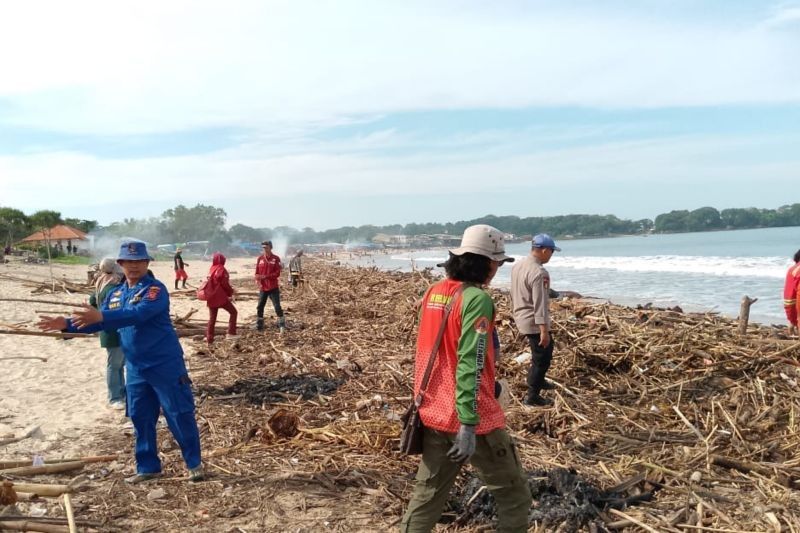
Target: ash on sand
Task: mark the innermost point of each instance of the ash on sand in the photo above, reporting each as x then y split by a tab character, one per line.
259	390
562	501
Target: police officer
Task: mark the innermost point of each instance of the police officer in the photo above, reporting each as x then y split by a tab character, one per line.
157	377
530	298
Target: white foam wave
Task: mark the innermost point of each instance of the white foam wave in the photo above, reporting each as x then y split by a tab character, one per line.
759	267
421	259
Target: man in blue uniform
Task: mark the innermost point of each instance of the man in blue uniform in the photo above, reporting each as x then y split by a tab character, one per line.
157	377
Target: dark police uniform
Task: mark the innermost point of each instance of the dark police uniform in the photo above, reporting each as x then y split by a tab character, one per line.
157	376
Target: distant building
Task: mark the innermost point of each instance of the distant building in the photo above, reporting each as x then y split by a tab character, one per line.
62	237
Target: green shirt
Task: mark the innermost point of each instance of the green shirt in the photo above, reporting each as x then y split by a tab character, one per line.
108	339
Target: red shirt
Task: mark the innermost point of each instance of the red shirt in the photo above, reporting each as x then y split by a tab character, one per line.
790	293
268	271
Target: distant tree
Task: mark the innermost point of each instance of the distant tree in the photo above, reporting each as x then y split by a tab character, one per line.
703	219
740	218
674	221
86	226
148	230
14	225
199	223
44	220
240	232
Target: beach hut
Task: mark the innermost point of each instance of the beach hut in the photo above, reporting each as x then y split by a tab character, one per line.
65	238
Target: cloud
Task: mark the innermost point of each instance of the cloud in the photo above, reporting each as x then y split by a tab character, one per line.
116	68
75	180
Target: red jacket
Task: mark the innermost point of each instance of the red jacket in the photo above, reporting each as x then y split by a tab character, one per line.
268	271
790	293
219	288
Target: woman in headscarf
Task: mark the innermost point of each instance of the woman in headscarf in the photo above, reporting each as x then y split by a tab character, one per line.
220	294
109	276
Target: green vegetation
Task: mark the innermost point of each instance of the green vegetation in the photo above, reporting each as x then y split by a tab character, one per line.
72	260
207	223
708	219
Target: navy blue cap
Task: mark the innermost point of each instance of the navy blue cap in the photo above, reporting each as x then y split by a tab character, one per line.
133	251
543	240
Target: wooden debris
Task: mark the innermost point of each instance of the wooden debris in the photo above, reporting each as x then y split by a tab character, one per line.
8	495
40	489
674	406
57	468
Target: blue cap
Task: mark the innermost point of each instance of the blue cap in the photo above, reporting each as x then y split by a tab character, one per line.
543	240
133	251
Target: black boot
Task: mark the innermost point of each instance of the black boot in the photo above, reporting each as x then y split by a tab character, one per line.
260	324
533	399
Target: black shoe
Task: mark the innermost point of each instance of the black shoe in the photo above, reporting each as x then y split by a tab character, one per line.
548	385
538	401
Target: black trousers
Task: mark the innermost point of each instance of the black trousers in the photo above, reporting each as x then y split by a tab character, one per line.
540	363
275	296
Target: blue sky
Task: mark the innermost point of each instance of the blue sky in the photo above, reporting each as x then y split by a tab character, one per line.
328	113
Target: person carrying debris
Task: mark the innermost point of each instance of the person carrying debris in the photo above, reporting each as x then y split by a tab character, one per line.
463	420
108	277
530	298
180	268
156	371
790	293
219	296
296	269
268	272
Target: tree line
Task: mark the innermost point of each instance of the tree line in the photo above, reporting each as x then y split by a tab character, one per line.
202	222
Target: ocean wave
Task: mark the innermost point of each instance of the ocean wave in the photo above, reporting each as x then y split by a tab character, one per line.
421	259
723	266
758	267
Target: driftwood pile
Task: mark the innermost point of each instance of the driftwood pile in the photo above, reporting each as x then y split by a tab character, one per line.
663	421
49	285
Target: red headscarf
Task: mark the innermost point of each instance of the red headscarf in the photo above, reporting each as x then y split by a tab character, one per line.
217	266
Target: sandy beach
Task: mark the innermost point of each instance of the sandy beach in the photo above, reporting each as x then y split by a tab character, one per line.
65	396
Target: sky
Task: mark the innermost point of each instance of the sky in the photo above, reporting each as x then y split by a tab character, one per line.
330	113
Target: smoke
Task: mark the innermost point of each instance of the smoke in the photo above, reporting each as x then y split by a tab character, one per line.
107	244
280	244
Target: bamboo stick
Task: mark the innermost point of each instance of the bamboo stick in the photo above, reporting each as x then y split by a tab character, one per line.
53	302
70	513
30	525
46	469
87	460
41	489
45	334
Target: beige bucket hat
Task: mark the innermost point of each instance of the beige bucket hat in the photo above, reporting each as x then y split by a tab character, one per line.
484	240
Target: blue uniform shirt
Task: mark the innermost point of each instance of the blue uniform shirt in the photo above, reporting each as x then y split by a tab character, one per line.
141	316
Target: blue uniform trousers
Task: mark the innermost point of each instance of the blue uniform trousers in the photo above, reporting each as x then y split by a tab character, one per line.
166	386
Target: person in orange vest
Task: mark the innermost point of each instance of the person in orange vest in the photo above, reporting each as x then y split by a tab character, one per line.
790	293
463	420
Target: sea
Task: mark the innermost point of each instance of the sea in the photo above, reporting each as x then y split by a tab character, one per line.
699	272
